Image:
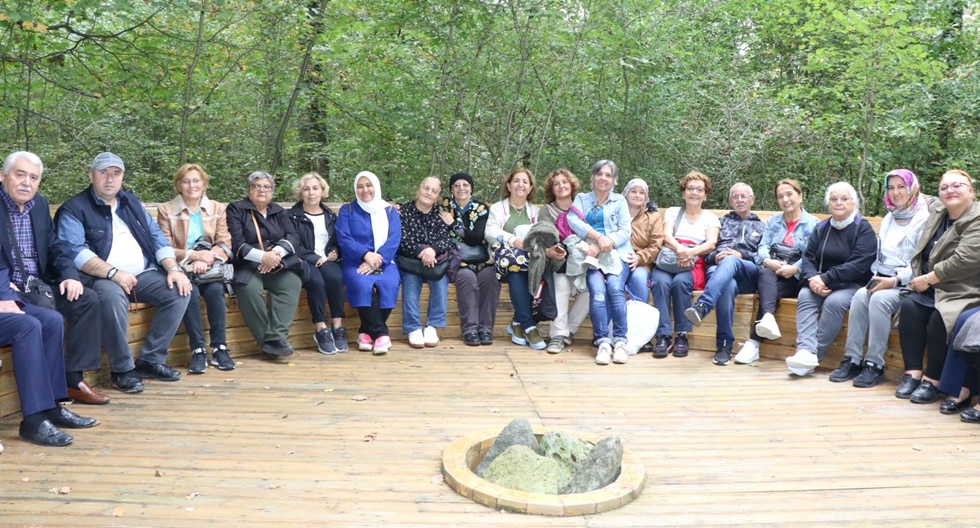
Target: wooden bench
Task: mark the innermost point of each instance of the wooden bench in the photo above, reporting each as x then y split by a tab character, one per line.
301	333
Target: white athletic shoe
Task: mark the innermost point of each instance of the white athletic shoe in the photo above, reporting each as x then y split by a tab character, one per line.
767	327
416	339
603	355
620	354
430	336
802	363
749	353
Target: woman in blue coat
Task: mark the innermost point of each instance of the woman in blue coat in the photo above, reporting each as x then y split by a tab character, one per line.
369	232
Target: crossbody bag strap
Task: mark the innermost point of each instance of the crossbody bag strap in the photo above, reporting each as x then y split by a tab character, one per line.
257	232
677	220
16	250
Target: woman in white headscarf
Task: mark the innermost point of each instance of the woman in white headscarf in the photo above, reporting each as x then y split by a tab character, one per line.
369	232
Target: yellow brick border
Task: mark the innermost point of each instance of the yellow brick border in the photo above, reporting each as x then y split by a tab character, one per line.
461	458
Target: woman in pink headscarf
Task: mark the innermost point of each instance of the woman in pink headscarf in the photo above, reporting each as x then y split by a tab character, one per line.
873	306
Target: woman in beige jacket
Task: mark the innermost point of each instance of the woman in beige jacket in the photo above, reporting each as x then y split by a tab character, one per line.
187	219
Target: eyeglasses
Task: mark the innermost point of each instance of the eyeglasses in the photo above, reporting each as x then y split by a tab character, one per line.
461	185
840	199
955	186
696	190
195	181
740	196
260	187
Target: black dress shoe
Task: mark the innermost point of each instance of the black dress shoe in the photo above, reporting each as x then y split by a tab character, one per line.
970	415
951	406
128	382
906	387
471	339
486	338
926	393
149	370
62	417
44	434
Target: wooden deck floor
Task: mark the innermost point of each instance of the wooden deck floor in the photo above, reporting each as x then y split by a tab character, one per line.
356	440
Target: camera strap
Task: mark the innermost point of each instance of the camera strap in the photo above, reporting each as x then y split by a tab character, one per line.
16	252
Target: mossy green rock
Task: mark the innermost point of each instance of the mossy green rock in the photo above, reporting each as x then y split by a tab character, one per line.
568	450
520	468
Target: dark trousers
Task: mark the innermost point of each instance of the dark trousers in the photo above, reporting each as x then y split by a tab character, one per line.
83	348
958	371
325	286
520	297
374	319
214	298
771	289
477	295
921	331
36	338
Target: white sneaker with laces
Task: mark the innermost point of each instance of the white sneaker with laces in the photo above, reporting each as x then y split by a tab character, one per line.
802	363
749	353
430	337
767	327
602	357
416	339
620	354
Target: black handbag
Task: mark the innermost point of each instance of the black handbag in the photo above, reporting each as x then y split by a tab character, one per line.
473	254
785	252
415	267
544	306
36	291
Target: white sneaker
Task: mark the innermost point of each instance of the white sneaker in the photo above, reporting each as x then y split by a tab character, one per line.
416	339
620	354
749	353
603	355
430	337
802	363
767	327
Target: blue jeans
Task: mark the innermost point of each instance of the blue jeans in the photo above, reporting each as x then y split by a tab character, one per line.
151	287
607	300
411	311
725	281
673	289
638	284
956	365
520	297
214	298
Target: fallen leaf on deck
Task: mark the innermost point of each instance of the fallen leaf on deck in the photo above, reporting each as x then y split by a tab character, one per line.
318	403
229	380
118	512
437	479
291	364
370	437
26	479
158	473
358	397
206	385
327	390
285	416
60	491
189	508
266	387
452	347
190	393
559	361
290	452
415	366
192	495
494	410
275	486
490	367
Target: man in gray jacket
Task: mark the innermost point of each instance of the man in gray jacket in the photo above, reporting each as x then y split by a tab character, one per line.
731	268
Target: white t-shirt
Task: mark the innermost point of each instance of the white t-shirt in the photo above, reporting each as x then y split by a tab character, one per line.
320	236
693	231
125	253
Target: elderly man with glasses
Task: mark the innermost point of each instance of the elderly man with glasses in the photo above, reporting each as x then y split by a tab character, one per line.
731	268
124	257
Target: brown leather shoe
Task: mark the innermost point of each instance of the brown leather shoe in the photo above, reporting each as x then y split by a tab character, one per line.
87	395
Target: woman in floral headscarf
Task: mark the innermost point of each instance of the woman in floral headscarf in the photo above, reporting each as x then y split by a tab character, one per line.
873	306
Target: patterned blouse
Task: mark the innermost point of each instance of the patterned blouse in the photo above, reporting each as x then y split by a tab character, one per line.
468	227
422	230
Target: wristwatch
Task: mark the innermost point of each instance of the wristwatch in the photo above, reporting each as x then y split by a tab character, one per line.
112	273
175	268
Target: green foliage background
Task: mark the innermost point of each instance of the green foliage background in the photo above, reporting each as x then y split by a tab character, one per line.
743	90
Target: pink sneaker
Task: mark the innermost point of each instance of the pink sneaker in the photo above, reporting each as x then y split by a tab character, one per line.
381	345
364	342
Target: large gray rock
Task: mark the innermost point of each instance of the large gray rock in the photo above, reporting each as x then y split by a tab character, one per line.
520	468
570	451
517	432
600	469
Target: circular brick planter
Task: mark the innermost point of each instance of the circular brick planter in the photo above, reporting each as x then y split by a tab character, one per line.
460	459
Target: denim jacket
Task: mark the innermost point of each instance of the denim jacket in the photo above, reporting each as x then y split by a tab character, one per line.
775	231
616	220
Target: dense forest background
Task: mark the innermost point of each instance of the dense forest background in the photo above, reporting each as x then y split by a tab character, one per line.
743	90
